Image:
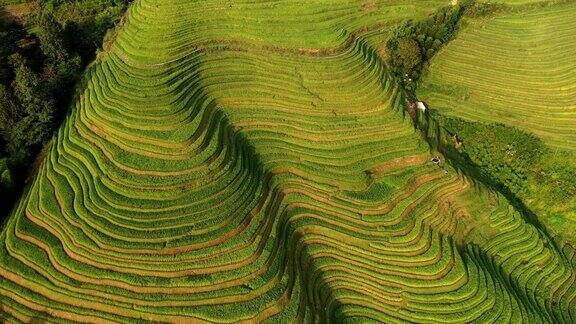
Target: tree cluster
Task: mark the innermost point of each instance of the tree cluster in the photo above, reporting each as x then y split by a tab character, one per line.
502	152
40	62
414	43
513	161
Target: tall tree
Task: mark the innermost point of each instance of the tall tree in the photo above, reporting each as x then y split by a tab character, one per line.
52	40
38	108
10	111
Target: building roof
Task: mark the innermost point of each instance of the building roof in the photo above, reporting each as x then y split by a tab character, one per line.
420	105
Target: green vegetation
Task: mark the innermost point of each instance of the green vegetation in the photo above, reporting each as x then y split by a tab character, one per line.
519	163
511	60
42	55
503	85
501	151
267	174
414	43
6	179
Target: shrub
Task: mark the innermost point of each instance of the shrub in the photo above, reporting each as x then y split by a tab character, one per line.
6	181
505	154
476	9
51	35
408	55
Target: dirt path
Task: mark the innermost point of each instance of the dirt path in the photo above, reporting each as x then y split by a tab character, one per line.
399	163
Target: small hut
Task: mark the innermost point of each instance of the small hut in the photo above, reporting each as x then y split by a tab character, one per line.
421	106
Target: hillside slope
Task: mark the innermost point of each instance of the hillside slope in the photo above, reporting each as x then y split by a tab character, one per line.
515	68
512	75
215	173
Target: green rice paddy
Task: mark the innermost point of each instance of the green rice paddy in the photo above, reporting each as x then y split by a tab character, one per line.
249	161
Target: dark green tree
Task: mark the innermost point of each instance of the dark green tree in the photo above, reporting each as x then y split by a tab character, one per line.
51	36
37	108
408	55
6	180
4	52
10	111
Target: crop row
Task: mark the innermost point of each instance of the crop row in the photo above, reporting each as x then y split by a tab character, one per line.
194	180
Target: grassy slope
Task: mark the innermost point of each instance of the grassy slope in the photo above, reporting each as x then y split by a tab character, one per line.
514	69
229	174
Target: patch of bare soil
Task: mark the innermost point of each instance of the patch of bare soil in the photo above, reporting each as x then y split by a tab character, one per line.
399	163
19	12
369	5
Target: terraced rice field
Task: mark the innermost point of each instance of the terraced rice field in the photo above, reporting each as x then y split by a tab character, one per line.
517	69
215	173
